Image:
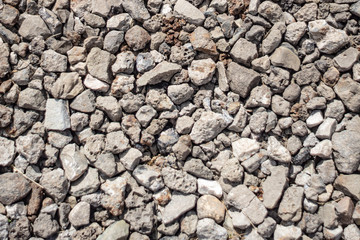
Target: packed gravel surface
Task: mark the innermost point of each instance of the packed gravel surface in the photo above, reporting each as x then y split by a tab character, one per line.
179	119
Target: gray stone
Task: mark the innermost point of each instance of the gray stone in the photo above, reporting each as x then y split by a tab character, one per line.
80	214
309	74
180	93
131	158
348	185
260	96
241	79
31	147
144	62
182	55
162	72
351	232
117	231
142	218
267	228
28	31
207	127
55	184
273	39
327	38
189	12
67	86
57	115
244	148
348	91
149	177
32	99
84	102
244	52
294	32
44	226
124	63
86	184
95	84
121	22
133	40
7	151
290	208
274	186
4	227
285	57
280	106
307	13
243	199
122	84
52	61
201	71
208	229
73	161
179	180
136	9
196	167
111	106
179	205
98	63
14	187
345	60
271	11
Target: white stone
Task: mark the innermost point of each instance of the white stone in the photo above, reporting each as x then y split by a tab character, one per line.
189	12
326	129
288	233
245	148
95	84
323	149
201	71
315	119
277	151
208	187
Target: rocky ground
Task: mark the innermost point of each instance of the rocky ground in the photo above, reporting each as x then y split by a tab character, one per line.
176	119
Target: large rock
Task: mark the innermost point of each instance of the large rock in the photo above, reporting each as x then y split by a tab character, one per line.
285	57
179	204
7	151
134	41
327	38
274	186
271	11
86	184
31	147
113	200
290	208
201	41
33	99
241	79
98	63
245	200
57	115
13	187
73	161
136	9
345	60
67	86
207	229
52	61
349	184
33	26
201	71
162	72
244	52
117	231
349	92
55	184
346	145
208	127
179	180
189	12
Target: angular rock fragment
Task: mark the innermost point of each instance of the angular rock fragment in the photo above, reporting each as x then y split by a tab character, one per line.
162	72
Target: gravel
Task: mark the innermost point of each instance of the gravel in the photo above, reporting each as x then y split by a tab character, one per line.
181	119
